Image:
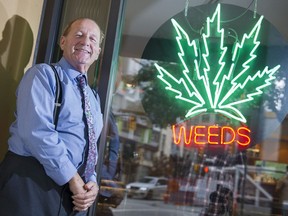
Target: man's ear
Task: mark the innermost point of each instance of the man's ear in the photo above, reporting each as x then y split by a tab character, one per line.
62	41
99	51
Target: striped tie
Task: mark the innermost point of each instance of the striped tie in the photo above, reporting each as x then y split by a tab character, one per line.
92	151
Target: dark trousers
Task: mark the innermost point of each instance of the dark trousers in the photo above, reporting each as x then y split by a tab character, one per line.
26	190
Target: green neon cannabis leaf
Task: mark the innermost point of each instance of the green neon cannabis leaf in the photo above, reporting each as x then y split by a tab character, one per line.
215	77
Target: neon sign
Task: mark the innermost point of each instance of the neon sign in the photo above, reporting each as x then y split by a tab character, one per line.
216	78
211	135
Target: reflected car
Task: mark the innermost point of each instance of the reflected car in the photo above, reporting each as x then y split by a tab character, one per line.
149	187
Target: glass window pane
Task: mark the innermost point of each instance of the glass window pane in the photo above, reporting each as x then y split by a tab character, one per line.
201	103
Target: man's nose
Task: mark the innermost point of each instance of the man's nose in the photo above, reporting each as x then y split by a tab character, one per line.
85	41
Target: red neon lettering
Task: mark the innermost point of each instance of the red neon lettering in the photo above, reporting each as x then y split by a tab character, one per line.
174	134
225	131
243	134
196	135
182	129
213	135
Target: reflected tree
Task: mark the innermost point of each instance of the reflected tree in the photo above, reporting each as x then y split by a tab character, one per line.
155	102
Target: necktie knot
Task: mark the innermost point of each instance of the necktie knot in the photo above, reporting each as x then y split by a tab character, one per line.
82	81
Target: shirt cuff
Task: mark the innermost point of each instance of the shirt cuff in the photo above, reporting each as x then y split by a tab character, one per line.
62	175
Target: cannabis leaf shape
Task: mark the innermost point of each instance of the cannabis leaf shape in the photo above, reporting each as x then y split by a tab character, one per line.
214	79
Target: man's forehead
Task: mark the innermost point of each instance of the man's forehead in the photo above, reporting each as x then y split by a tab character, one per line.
85	25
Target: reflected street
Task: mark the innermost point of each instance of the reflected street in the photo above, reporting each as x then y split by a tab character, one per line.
141	207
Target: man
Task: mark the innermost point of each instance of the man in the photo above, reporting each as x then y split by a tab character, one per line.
42	173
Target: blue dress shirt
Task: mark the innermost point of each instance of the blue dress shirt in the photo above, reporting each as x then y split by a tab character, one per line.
61	151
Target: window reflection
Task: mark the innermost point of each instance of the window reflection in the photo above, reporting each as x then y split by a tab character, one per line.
200	180
211	175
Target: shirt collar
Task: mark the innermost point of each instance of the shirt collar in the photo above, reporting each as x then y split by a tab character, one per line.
71	72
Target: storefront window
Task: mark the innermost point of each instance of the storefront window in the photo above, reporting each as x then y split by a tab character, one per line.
200	108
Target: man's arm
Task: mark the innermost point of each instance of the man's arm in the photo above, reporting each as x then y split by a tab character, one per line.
84	195
35	128
76	184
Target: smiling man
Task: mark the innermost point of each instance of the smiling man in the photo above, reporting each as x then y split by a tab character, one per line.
80	44
44	171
